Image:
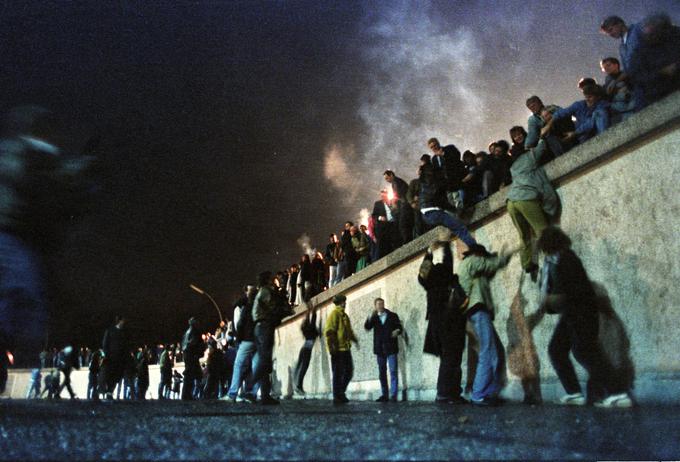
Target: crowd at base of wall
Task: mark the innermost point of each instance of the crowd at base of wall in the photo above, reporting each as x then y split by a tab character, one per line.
650	388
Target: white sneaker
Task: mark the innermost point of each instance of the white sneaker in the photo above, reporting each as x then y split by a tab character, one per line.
620	400
574	399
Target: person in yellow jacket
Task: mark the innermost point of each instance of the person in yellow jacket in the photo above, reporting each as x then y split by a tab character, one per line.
339	337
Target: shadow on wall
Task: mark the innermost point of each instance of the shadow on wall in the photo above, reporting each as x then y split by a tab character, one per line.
614	340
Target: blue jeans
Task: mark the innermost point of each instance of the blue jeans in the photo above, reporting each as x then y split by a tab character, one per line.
442	217
264	358
487	382
23	308
383	361
242	364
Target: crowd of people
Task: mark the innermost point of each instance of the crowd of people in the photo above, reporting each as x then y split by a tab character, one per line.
236	361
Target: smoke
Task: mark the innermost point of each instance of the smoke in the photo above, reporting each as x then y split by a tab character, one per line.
305	244
363	217
422	81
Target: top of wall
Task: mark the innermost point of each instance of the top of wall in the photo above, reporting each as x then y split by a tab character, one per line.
620	139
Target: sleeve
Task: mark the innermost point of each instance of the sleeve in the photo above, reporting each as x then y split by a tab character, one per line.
370	322
566	112
425	270
448	258
487	266
331	331
534	131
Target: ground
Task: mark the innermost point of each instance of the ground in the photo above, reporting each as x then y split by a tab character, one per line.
314	429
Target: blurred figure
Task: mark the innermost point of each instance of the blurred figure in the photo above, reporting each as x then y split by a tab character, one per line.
331	255
310	333
167	362
142	366
34	387
93	375
115	355
68	360
39	188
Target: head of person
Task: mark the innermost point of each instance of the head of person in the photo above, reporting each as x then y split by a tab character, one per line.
592	94
379	305
518	134
469	158
534	104
610	66
332	238
353	230
553	240
501	149
613	26
388	175
435	147
340	300
383	195
304	259
585	81
480	157
425	159
657	28
120	321
363	228
266	278
548	111
492	147
348	225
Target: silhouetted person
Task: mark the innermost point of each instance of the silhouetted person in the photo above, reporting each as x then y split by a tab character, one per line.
445	336
566	289
310	333
115	350
166	363
68	360
193	348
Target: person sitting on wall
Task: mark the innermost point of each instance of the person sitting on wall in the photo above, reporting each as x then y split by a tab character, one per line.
591	114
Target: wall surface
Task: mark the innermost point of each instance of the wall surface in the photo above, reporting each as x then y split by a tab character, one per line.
620	194
621	208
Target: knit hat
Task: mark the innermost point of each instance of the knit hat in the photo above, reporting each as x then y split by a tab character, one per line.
339	299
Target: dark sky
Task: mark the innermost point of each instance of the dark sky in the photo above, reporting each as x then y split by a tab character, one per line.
232	128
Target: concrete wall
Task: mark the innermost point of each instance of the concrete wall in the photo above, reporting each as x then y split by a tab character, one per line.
621	206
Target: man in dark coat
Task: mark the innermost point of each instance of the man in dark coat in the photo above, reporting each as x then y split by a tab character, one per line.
405	212
193	348
68	360
386	225
386	328
445	335
449	168
115	353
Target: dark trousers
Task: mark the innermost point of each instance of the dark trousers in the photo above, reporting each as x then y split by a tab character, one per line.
578	334
165	385
387	235
211	385
92	392
452	339
343	370
302	365
263	360
113	373
66	383
405	222
192	375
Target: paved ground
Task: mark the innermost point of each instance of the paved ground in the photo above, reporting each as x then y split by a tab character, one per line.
317	430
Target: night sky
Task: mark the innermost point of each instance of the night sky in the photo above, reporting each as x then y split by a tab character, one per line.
230	129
